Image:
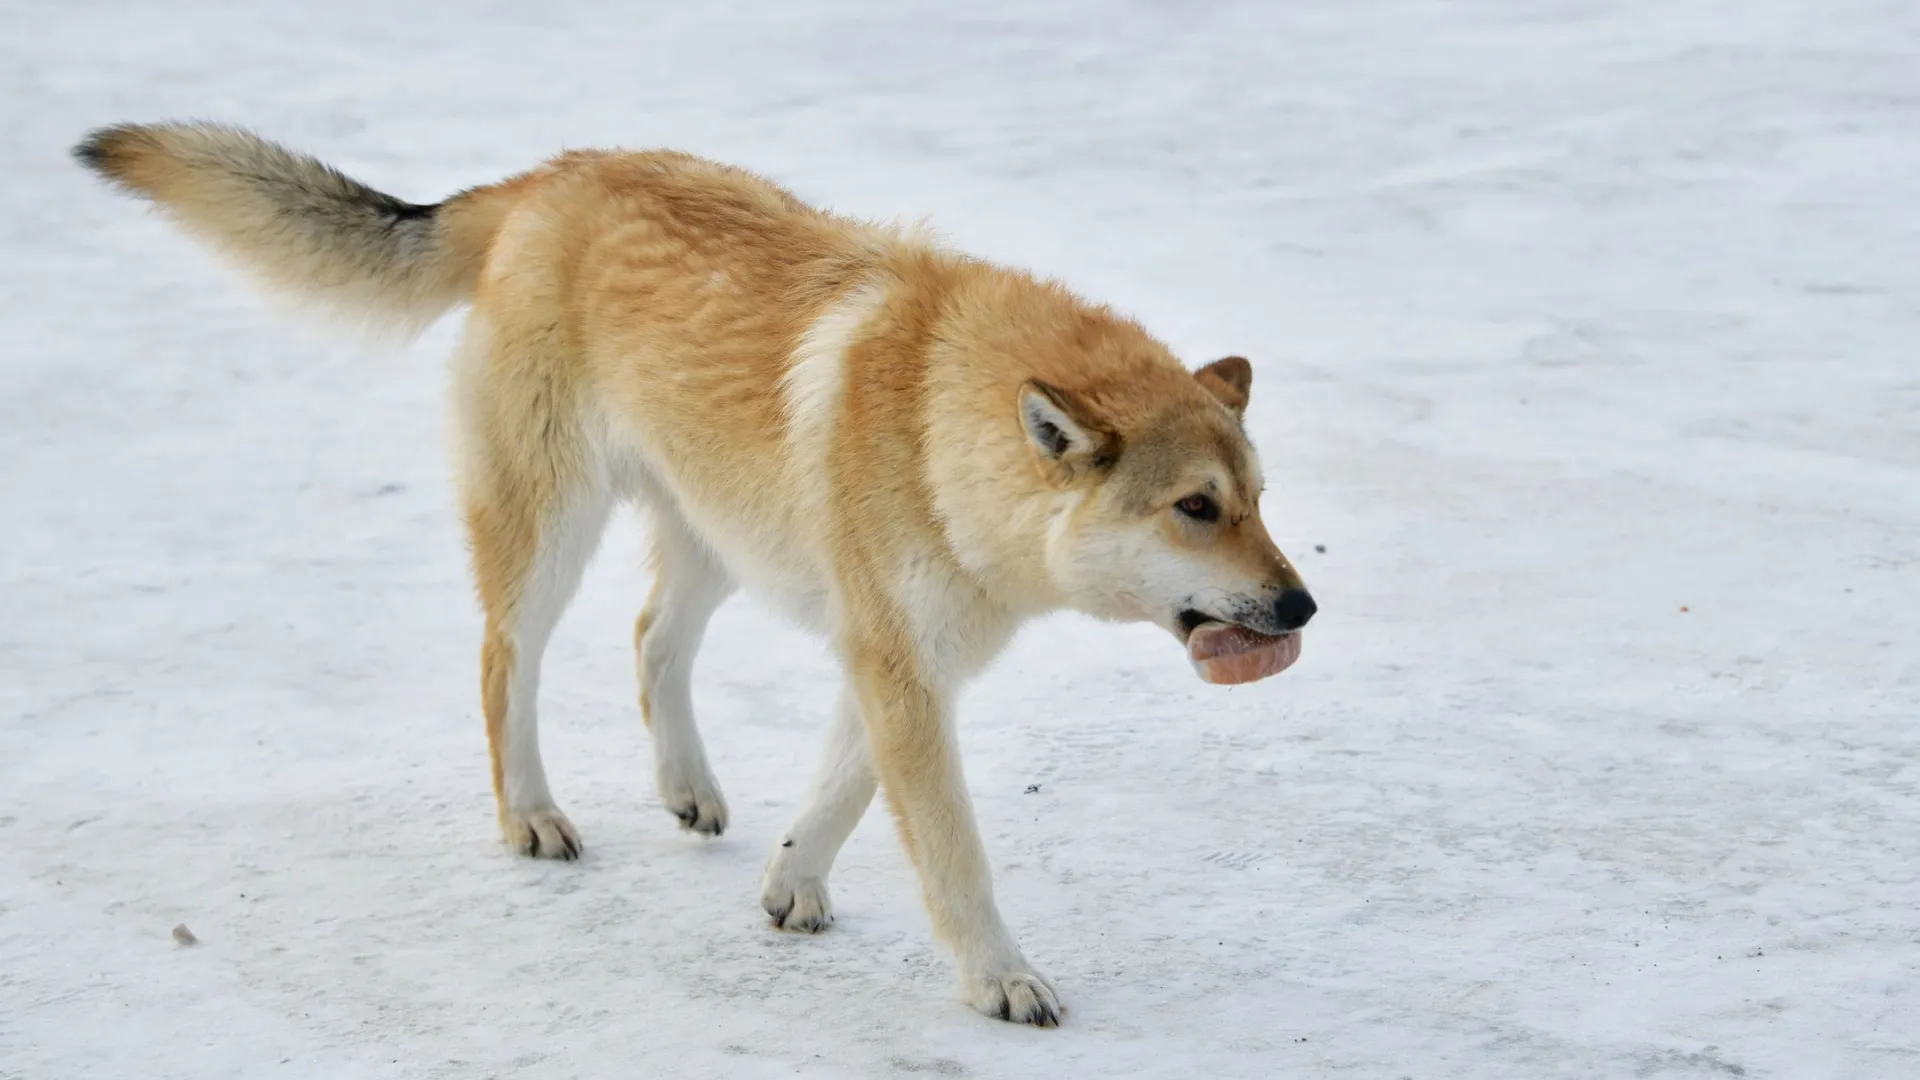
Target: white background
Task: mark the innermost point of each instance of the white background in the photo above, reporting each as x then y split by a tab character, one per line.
1585	343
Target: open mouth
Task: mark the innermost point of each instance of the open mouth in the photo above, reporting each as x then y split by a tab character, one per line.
1227	653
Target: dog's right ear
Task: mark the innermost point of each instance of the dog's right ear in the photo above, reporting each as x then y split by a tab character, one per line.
1067	442
1230	380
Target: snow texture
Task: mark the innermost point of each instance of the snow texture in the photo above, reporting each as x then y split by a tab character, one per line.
1585	345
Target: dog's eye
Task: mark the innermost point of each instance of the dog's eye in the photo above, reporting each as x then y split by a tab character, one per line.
1199	508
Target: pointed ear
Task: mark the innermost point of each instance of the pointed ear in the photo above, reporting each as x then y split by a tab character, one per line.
1229	380
1066	441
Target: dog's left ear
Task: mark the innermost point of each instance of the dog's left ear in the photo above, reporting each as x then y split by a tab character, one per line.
1068	442
1229	380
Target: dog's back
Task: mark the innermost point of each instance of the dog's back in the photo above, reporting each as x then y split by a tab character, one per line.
634	313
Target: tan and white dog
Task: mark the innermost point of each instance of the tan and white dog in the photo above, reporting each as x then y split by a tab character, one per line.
906	449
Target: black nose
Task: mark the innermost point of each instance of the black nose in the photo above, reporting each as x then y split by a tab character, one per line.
1293	609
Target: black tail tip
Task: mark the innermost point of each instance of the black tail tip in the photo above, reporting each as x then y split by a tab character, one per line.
97	148
104	150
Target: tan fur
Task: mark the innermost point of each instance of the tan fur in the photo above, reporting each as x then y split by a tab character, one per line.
905	448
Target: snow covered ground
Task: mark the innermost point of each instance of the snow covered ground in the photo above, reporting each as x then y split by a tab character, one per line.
1587	341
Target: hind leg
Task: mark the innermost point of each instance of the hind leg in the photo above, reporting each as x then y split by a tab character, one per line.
688	586
529	560
536	501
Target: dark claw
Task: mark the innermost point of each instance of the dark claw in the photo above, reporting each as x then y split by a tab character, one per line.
690	819
533	844
780	917
1006	1008
573	848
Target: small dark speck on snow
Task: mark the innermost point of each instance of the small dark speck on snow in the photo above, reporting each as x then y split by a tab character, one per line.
1033	789
1321	548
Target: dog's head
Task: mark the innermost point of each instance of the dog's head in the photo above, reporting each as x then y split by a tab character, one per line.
1159	517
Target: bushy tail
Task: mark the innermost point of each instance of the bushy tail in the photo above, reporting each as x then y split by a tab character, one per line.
301	226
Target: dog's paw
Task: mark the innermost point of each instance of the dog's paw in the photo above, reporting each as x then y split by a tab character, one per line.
541	834
695	800
1021	995
798	904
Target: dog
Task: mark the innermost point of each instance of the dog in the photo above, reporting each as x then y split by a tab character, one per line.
906	449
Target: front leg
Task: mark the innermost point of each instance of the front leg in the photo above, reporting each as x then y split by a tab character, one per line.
794	890
918	765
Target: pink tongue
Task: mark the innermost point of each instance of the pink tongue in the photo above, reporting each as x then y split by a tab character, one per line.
1225	654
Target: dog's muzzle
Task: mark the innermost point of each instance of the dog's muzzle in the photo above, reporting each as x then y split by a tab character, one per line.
1260	641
